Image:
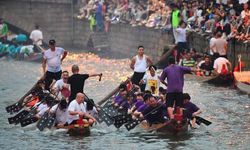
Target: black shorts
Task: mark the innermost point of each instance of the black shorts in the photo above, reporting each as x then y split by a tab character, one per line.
137	76
50	76
174	99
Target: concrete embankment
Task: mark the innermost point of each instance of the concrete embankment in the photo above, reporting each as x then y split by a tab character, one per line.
57	19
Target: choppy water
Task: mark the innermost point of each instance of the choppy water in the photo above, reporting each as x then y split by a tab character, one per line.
228	109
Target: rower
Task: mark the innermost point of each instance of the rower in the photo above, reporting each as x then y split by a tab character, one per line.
77	110
62	87
91	108
222	66
60	110
154	113
77	81
121	96
138	112
191	110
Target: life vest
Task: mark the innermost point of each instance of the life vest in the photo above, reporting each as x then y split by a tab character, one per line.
224	70
34	100
178	116
239	67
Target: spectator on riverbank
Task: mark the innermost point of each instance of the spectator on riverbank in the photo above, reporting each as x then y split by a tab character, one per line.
220	45
3	31
37	38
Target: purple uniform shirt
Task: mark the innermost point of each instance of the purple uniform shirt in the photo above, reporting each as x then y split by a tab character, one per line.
138	104
142	108
175	77
118	99
190	108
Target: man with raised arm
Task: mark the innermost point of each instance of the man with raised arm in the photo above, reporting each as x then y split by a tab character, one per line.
77	81
52	59
175	83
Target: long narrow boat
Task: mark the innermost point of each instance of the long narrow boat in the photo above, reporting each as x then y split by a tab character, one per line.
166	128
218	80
242	81
221	80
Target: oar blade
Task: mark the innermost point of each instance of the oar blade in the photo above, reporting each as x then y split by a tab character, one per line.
50	121
42	122
28	121
131	125
17	118
14	108
121	119
106	118
202	120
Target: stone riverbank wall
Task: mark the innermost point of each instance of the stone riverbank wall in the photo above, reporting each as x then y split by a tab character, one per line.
57	19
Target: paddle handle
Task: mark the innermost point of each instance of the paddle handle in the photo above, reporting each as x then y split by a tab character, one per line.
100	77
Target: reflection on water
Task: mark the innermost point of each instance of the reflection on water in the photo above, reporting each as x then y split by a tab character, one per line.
225	107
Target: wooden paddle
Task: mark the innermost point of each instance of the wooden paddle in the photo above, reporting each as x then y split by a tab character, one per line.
131	125
202	120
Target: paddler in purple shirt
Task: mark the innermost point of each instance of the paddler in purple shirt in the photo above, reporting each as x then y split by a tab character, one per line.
191	110
175	83
142	107
137	104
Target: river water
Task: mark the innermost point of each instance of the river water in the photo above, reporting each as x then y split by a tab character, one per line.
228	109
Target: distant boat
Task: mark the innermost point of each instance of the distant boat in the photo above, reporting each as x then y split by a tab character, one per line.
242	81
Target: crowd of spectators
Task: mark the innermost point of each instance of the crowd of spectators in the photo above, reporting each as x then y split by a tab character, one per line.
202	16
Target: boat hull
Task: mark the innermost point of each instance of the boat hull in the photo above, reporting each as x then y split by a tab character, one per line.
242	81
76	130
166	128
220	80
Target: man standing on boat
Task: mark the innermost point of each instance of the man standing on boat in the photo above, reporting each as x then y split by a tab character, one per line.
37	38
77	81
175	83
139	64
53	58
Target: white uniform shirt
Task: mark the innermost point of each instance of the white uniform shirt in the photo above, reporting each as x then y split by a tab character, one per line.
54	59
219	62
62	91
61	115
152	81
74	106
35	35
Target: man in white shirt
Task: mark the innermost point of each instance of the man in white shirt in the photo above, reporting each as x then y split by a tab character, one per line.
77	110
139	64
37	38
181	39
62	87
52	59
61	113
